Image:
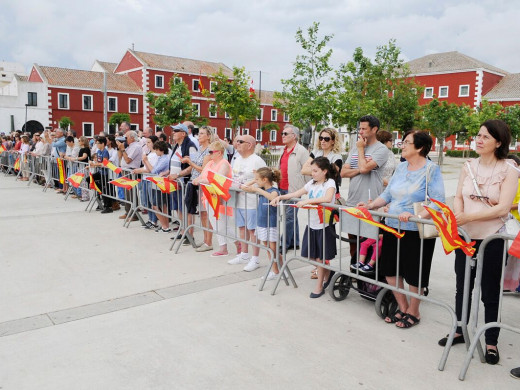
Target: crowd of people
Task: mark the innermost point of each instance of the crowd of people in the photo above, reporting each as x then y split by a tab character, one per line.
485	195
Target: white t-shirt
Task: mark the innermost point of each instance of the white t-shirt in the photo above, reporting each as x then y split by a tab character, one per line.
317	191
243	172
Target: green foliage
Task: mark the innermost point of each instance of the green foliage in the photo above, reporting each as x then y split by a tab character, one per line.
173	106
308	96
382	88
461	153
511	115
119	117
233	97
270	126
65	122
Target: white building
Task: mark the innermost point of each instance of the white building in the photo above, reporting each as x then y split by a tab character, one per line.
21	101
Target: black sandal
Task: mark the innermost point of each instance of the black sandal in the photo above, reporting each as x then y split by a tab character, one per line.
406	321
394	318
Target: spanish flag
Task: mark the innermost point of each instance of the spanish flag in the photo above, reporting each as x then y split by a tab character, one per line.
111	166
364	215
213	198
2	149
222	184
93	185
76	179
17	164
164	184
324	213
61	170
514	250
201	86
125	183
446	225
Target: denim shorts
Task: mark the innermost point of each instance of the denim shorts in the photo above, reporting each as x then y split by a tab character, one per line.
240	219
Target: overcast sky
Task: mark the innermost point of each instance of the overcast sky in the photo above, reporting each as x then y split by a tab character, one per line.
256	34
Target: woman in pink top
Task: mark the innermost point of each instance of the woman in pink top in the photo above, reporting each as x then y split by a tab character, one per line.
482	213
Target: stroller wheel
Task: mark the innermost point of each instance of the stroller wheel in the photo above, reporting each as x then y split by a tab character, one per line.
339	286
385	304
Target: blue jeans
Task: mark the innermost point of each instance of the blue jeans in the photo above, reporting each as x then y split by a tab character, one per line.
291	223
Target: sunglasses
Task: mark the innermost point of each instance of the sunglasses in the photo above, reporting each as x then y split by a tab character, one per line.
326	139
285	134
213	151
479	197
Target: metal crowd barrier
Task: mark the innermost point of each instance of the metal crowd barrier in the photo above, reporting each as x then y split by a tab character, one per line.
354	226
479	330
39	167
4	161
225	228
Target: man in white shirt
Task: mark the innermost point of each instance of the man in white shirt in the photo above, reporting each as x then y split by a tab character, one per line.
191	127
244	167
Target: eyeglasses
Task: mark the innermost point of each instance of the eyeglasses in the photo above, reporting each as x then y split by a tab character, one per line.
401	144
479	197
326	139
241	141
285	134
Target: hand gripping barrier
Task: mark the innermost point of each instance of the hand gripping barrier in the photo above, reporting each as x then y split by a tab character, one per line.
349	225
477	289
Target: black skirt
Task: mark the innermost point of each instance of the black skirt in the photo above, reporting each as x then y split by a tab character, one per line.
312	243
191	199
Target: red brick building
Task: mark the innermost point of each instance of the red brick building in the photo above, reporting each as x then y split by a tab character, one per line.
81	94
460	79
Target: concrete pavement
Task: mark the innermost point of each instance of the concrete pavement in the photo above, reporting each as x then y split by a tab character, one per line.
88	304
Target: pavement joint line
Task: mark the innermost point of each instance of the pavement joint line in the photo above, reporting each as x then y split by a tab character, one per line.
59	317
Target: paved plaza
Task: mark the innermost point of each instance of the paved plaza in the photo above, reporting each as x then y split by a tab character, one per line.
88	304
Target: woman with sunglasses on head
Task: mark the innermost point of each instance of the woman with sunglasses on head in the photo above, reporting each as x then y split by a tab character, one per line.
327	145
481	207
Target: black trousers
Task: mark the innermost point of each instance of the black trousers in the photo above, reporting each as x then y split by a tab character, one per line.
490	285
102	183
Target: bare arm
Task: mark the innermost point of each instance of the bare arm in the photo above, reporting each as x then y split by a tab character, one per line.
348	172
327	198
306	169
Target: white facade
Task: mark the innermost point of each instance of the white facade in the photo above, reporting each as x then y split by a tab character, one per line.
14	97
8	70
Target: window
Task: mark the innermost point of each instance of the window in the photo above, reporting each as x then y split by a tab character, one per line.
443	92
274	114
272	136
159	81
258	135
212	111
226	115
261	114
463	90
157	128
428	92
87	102
285	117
195	85
132	105
177	80
212	85
63	101
32	99
112	128
88	129
196	108
112	104
227	132
134	127
245	131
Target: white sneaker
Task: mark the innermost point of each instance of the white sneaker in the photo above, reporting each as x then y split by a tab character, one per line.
238	260
270	276
252	265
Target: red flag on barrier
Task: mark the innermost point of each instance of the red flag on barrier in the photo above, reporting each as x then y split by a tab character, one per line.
514	250
125	183
164	184
364	215
222	184
211	194
76	179
17	164
93	185
111	166
2	149
446	225
324	213
61	170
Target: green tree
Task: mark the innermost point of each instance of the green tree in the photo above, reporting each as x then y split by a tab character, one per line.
119	117
511	115
65	122
233	98
173	106
308	96
442	119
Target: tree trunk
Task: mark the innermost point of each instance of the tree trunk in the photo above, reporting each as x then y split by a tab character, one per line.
441	152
